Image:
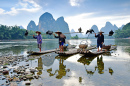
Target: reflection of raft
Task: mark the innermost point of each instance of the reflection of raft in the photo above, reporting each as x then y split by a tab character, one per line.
42	52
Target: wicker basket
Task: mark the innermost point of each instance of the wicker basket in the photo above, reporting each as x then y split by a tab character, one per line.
83	46
106	47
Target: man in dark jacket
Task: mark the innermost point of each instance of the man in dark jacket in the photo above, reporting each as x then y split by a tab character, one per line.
62	38
100	40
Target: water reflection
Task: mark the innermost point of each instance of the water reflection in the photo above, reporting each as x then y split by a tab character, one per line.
86	60
62	68
61	71
40	66
99	67
48	59
110	69
125	43
19	47
122	42
107	54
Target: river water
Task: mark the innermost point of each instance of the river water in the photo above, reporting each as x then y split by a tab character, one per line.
111	69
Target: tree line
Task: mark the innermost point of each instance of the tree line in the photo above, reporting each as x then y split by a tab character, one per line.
14	32
124	32
75	37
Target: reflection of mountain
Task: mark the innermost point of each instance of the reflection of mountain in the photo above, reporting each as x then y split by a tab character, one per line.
48	60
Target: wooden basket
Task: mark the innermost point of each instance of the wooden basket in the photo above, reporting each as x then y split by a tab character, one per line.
83	46
106	47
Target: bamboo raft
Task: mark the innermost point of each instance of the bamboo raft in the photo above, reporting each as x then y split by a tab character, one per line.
42	52
95	53
71	51
67	53
89	53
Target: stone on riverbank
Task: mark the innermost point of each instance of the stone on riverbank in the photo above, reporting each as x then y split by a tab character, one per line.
5	72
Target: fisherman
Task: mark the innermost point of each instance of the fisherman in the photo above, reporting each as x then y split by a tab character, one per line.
39	39
62	38
100	40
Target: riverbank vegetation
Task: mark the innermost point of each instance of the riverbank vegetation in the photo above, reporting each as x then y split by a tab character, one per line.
14	32
75	37
124	32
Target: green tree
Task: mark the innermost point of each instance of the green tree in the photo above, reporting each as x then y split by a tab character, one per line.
75	37
124	33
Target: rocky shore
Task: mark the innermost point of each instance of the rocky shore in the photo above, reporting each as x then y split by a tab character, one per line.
11	73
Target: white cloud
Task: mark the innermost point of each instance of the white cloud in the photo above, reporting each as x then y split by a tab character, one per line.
1	10
22	5
86	20
75	2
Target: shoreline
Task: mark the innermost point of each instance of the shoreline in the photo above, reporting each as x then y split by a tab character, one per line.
24	40
45	39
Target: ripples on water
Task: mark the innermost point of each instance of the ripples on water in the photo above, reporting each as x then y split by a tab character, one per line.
109	69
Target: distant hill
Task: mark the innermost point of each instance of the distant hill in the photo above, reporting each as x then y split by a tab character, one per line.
80	35
92	36
108	27
121	27
47	22
74	34
32	26
95	28
21	27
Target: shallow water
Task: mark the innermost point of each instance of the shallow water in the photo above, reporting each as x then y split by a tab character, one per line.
110	69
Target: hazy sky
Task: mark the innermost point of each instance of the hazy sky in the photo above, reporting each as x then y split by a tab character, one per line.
77	13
